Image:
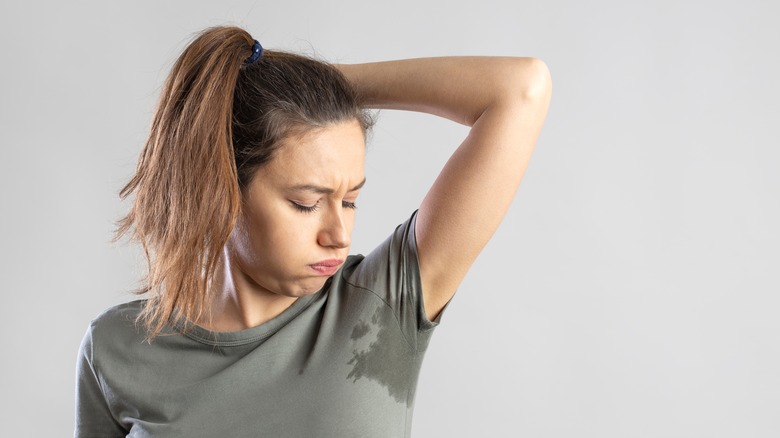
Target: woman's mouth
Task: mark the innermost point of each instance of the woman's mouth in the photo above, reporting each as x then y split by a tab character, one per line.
327	267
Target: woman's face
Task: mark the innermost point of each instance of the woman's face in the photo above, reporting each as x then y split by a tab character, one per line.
299	212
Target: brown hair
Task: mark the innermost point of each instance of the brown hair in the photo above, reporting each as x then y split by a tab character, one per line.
217	122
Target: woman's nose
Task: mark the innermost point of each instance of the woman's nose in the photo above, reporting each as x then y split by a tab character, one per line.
334	232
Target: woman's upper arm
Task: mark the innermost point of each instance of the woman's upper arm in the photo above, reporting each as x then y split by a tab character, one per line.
472	193
93	416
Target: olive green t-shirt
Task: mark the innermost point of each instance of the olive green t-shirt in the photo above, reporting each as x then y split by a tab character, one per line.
342	362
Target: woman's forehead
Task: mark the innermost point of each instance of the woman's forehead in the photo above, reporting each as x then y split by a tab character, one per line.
333	155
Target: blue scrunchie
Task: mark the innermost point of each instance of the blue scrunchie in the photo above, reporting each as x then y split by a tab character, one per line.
257	52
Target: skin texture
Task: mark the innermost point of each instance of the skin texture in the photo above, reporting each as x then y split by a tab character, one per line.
270	252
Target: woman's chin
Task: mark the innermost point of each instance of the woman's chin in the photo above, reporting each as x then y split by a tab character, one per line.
308	287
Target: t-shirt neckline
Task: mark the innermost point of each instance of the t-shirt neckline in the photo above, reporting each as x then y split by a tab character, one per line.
252	334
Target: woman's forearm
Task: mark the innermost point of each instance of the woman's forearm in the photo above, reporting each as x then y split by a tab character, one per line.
459	88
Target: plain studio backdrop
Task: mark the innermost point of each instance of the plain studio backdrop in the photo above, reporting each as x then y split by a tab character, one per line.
631	291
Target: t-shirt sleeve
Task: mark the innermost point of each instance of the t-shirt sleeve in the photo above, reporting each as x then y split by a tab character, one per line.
93	417
392	272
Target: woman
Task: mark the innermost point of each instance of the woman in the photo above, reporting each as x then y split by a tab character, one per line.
257	322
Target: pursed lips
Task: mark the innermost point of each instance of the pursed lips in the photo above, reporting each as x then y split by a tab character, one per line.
327	267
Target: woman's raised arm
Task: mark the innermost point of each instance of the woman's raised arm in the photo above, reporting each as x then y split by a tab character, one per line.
504	100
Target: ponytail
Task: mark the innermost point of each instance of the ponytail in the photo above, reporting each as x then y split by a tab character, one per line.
187	197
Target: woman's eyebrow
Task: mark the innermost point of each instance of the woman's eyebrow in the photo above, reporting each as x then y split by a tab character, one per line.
322	190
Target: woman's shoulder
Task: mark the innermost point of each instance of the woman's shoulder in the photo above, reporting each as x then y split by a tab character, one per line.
110	331
117	321
119	312
394	258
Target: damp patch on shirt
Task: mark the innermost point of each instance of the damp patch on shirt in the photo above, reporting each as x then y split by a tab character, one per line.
385	360
360	330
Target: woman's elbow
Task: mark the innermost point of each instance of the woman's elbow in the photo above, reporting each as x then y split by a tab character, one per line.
531	80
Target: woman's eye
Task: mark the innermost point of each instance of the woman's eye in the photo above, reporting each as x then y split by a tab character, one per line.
305	208
312	208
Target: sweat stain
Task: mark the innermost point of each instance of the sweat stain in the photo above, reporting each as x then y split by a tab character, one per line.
379	362
360	330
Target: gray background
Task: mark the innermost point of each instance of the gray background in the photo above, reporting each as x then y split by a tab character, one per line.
632	290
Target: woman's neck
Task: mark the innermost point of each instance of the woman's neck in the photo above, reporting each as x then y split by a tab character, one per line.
238	303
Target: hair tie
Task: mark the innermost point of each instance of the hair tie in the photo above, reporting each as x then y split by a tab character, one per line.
257	52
